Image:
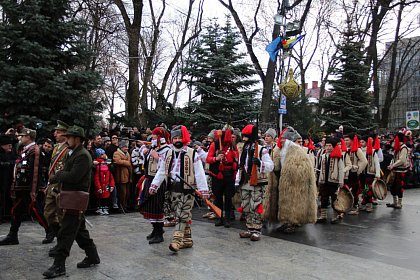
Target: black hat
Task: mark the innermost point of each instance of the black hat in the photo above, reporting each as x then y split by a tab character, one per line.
331	140
76	131
5	140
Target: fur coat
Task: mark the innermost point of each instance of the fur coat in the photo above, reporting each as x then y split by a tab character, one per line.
293	198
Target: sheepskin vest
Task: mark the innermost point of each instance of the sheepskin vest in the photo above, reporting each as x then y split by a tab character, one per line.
187	165
334	170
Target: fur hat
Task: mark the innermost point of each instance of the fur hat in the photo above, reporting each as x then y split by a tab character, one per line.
211	134
182	131
331	140
271	132
237	132
123	143
291	134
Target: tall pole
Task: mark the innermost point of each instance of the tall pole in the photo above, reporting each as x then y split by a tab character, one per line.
280	21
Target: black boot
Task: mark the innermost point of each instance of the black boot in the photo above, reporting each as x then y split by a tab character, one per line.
49	237
91	259
10	239
219	222
158	238
150	236
51	233
53	251
56	270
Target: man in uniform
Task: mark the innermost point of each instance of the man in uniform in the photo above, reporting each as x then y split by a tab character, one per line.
74	177
25	184
52	213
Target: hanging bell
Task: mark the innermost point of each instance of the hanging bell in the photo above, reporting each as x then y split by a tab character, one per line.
290	88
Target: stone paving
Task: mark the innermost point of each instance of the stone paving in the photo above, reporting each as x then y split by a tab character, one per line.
219	253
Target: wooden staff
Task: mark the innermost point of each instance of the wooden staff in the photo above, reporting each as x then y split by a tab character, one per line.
216	210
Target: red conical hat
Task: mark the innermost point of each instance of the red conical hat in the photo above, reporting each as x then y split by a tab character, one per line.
336	152
397	144
369	147
343	145
355	146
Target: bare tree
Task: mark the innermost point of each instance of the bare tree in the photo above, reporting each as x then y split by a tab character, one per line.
268	77
132	28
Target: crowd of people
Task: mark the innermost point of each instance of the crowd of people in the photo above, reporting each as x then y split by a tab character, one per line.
274	177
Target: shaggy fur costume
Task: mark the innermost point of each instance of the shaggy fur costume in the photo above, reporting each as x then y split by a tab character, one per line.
293	199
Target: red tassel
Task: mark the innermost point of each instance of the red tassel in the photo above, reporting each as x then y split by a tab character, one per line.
397	144
185	135
355	146
240	210
311	145
377	144
343	145
336	152
227	140
369	148
260	209
280	137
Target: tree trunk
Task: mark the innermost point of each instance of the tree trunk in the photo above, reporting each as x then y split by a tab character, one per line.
132	100
378	13
268	83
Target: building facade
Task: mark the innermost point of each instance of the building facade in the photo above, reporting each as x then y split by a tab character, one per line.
406	81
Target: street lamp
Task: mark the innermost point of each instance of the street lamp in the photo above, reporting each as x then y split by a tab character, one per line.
279	19
374	111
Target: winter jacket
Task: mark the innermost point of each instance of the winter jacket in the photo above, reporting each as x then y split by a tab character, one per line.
122	163
103	179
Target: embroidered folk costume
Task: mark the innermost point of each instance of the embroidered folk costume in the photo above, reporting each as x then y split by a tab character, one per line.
152	206
183	169
330	178
398	167
252	191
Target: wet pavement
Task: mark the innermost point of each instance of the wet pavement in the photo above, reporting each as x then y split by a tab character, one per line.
381	245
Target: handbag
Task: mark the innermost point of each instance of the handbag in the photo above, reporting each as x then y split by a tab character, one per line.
73	200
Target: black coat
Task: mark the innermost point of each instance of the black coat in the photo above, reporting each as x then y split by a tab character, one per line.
77	171
7	163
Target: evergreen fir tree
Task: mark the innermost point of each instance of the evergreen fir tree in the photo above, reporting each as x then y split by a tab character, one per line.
44	65
222	79
350	103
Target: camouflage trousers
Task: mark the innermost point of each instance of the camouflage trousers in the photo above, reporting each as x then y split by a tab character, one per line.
252	205
182	204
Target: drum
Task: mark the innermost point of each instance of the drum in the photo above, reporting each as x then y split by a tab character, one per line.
379	189
344	201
